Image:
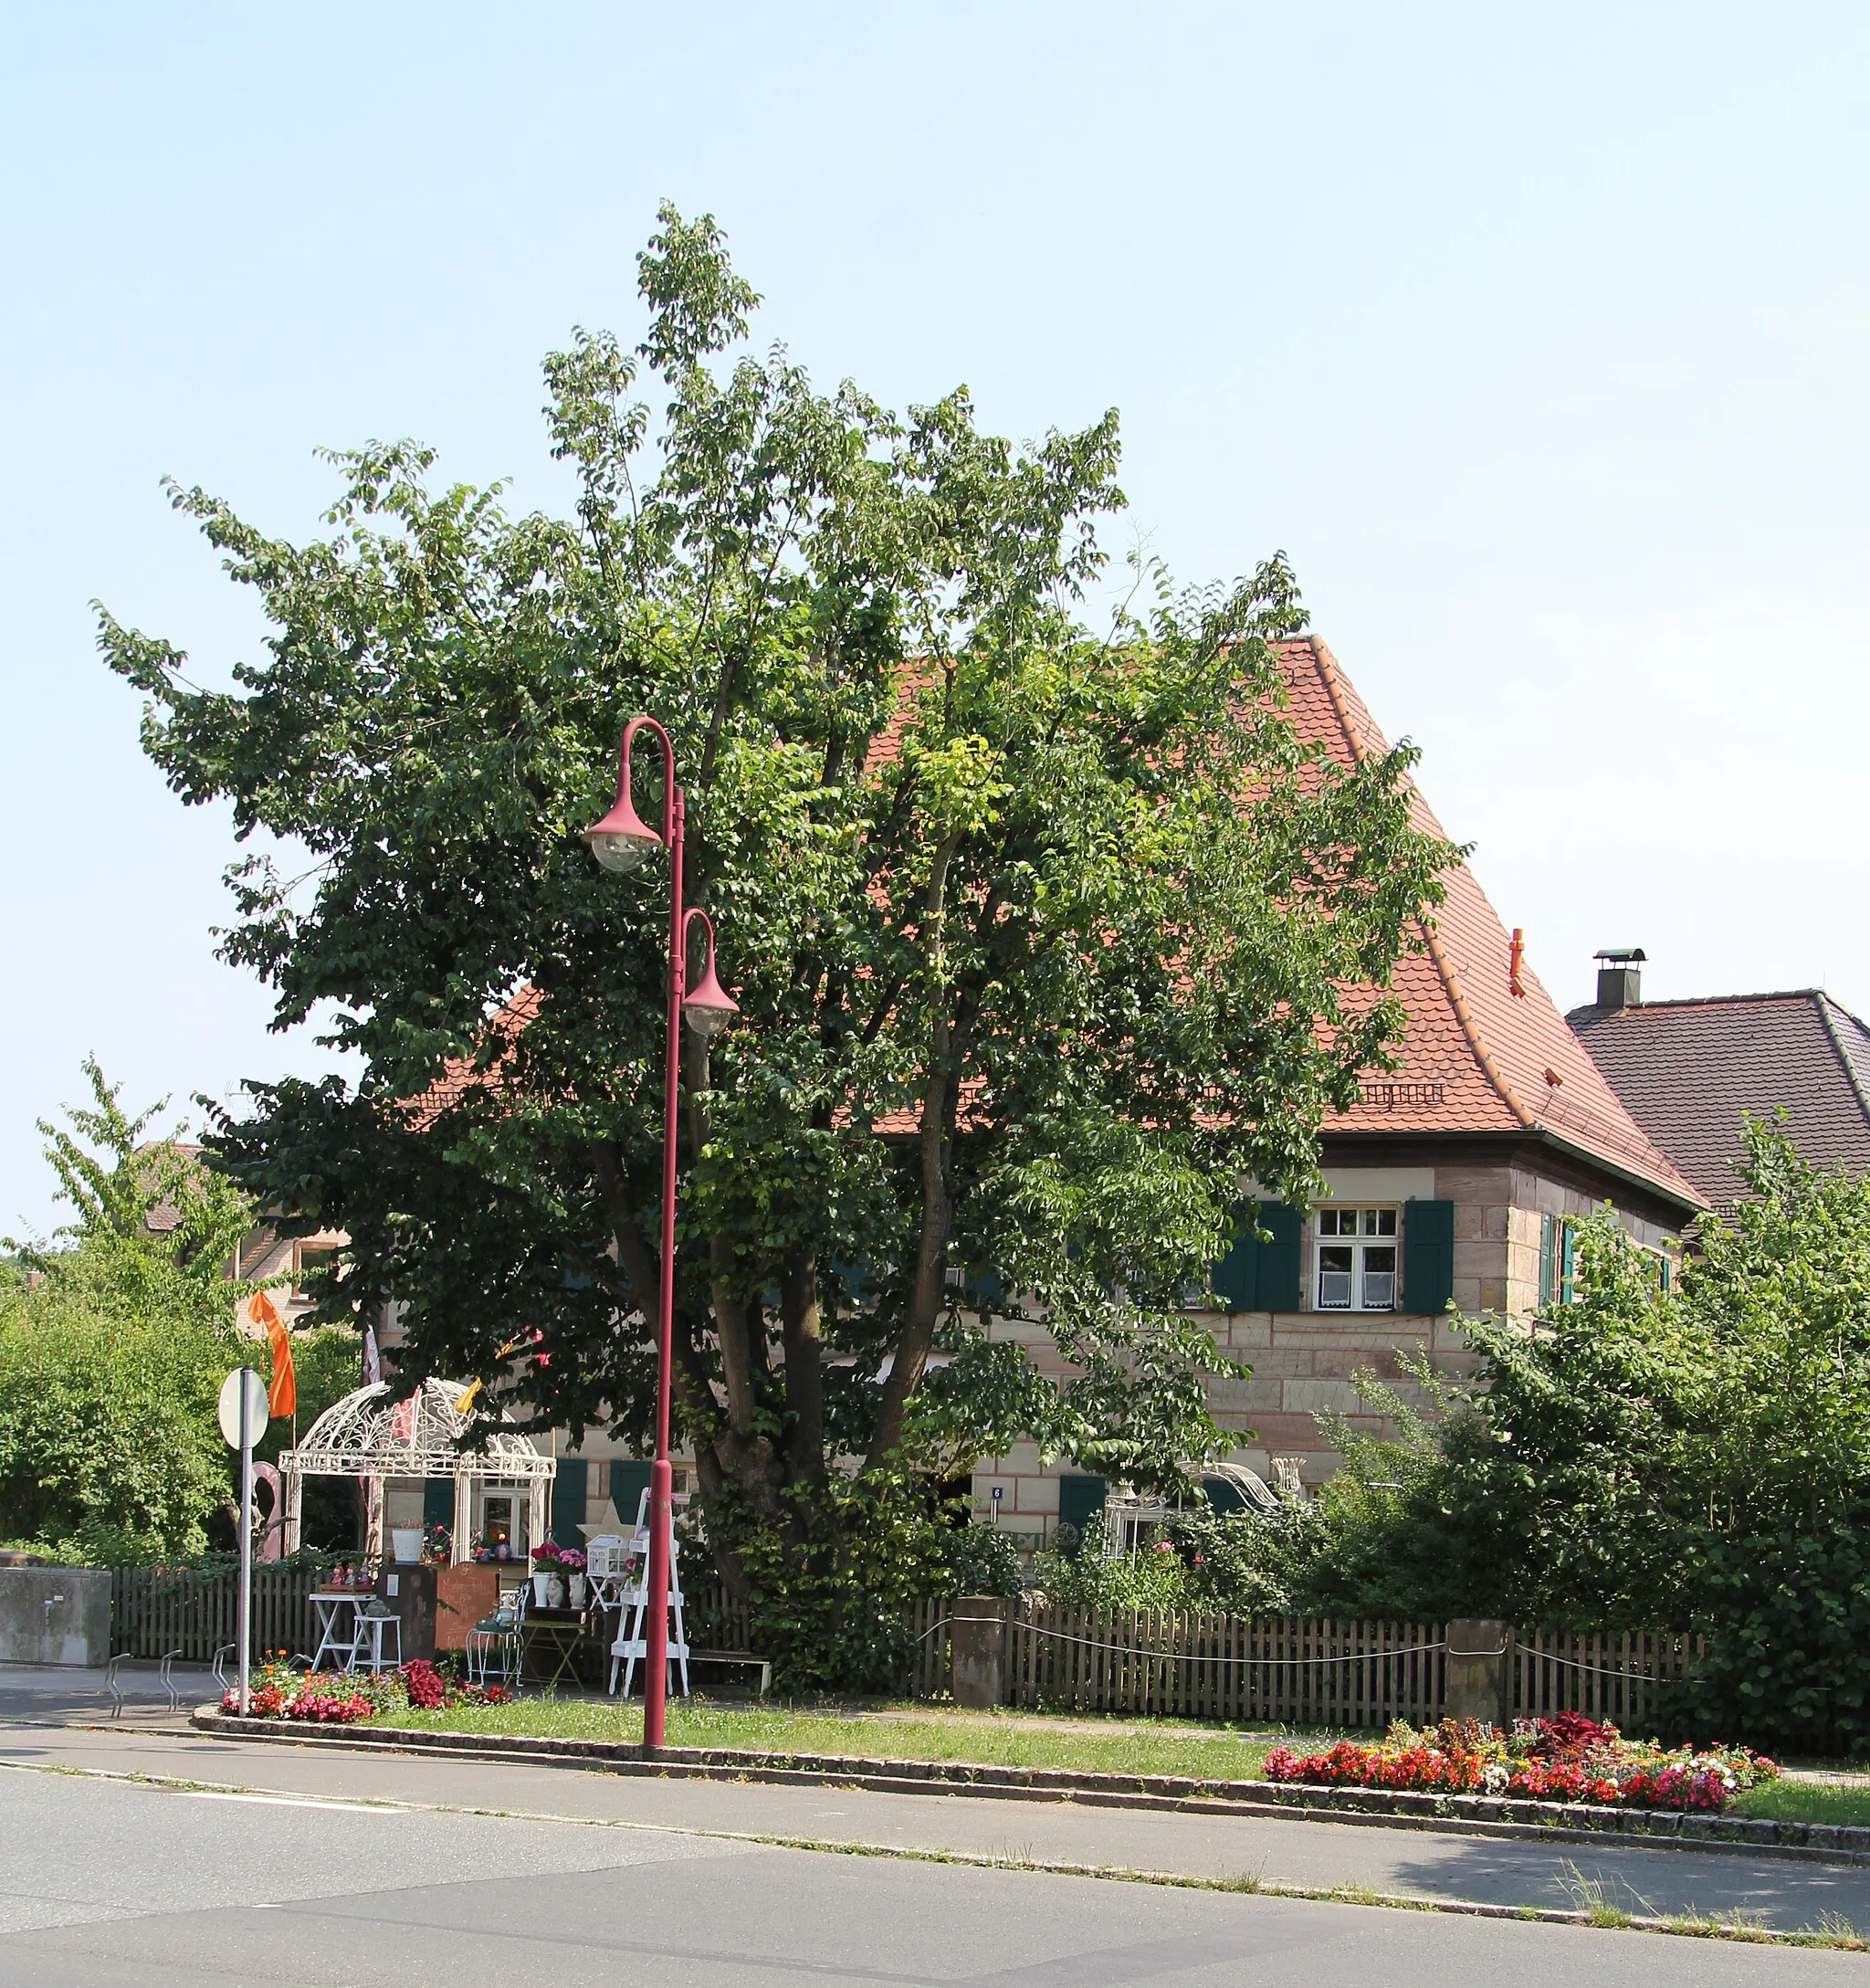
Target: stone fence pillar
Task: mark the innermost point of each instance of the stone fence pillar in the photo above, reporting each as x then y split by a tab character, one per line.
55	1615
1479	1653
977	1636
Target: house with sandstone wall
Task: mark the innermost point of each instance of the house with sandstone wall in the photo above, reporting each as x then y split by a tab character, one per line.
1457	1178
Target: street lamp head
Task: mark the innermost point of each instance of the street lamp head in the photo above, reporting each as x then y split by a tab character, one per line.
623	840
621	848
708	1006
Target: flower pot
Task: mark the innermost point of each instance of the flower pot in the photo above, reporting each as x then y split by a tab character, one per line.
541	1590
556	1589
576	1583
405	1542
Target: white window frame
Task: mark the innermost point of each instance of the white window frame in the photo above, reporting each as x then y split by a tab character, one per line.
1378	1229
521	1497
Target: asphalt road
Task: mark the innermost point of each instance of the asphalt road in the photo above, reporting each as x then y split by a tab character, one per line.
276	1867
110	1882
1779	1892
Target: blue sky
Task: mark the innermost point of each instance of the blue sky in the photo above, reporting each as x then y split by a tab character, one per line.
1538	339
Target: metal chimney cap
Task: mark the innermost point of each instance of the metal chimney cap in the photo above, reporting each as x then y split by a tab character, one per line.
1622	956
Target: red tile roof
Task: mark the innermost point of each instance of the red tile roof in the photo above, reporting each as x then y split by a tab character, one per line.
1689	1070
487	1072
1475	1056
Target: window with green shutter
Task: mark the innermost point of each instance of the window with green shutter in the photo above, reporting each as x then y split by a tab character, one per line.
1548	1246
1080	1498
1262	1276
1568	1261
628	1481
1428	1254
438	1502
568	1491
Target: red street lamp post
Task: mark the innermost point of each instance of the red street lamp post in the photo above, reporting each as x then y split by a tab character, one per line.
620	841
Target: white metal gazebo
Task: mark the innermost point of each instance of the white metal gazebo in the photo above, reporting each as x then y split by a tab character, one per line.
372	1435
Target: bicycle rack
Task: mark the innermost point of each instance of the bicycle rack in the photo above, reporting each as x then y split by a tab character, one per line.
112	1685
168	1679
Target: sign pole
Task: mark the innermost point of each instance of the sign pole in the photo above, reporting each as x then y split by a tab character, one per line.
246	1536
242	1414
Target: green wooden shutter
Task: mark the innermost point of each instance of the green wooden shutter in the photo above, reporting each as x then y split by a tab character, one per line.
1236	1277
1548	1227
1080	1498
628	1481
1568	1261
1665	1270
1255	1276
1279	1258
1428	1254
438	1502
568	1500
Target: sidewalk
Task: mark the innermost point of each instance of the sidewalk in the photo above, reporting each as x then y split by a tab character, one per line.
66	1696
1316	1857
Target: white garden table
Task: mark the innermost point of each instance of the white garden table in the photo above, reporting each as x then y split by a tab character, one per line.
336	1637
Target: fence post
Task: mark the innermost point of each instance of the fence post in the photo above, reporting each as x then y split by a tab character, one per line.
1476	1684
979	1640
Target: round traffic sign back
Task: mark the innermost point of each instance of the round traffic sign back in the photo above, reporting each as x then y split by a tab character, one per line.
228	1409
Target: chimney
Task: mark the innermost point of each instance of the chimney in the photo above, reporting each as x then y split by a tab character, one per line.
1620	977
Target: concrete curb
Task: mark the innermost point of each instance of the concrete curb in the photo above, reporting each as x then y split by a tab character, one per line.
1460	1815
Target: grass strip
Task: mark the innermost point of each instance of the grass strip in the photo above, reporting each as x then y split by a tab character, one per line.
1224	1753
1845	1802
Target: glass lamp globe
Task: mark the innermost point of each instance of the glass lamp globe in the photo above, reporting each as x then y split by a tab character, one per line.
620	850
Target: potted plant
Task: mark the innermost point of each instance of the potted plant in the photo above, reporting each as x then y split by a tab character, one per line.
573	1561
548	1575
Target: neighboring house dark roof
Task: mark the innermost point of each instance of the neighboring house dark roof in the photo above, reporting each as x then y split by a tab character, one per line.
1689	1071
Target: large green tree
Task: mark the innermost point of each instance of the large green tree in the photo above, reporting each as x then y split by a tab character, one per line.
1041	936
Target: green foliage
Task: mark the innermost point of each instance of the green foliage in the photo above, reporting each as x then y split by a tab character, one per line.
831	1582
112	1354
1153	1577
1201	1561
1245	1563
1006	903
981	1559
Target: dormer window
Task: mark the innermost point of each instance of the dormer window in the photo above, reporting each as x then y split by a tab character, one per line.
1356	1268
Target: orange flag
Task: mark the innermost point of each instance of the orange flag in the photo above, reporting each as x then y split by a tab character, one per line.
282	1395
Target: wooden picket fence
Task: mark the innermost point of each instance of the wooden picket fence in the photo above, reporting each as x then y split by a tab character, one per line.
1298	1672
155	1610
930	1666
1605	1675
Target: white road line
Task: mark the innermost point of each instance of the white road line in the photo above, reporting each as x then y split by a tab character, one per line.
284	1800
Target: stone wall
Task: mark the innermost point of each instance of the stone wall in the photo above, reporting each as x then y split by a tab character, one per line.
55	1615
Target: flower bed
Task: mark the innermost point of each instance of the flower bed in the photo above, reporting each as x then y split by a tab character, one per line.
344	1698
1567	1759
